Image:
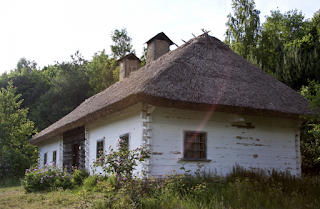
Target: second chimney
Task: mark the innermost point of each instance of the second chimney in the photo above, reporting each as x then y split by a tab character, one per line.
127	65
158	46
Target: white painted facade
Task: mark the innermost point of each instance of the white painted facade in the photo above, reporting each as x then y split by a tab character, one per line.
54	144
265	143
272	143
110	128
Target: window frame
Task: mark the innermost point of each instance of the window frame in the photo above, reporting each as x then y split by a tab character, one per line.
54	157
45	158
99	147
125	137
186	149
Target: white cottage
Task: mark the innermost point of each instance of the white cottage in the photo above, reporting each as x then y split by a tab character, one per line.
198	103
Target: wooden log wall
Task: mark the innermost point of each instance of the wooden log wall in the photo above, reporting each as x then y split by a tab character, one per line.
70	139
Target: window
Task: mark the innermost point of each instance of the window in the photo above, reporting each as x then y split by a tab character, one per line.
195	145
45	159
100	147
54	157
125	137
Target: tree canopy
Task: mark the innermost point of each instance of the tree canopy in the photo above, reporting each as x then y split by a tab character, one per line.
286	45
15	130
103	71
122	43
243	27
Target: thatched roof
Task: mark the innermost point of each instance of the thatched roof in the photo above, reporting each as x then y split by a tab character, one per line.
204	74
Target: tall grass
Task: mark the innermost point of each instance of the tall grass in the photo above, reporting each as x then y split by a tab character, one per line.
239	189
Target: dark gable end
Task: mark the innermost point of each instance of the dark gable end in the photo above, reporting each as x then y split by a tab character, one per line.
204	74
158	46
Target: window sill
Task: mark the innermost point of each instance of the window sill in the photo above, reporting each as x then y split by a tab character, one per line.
195	160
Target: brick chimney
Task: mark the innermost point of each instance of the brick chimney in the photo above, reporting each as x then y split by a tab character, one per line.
158	46
127	65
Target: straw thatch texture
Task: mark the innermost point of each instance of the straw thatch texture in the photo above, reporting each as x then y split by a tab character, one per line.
204	74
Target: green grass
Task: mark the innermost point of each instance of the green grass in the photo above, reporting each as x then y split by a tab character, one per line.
239	189
15	197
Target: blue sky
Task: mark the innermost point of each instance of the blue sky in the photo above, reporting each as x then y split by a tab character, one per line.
49	31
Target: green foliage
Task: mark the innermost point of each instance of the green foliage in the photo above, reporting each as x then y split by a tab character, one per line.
121	162
284	28
243	27
90	182
14	126
284	49
143	58
310	140
101	71
6	169
16	161
46	178
9	182
68	89
112	181
26	65
98	183
249	189
286	46
240	189
107	185
31	85
122	43
116	74
15	130
79	176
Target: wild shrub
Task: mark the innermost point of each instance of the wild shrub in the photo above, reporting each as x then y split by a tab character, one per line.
90	182
9	182
79	176
240	189
188	183
112	180
121	162
310	131
107	185
46	178
242	173
6	170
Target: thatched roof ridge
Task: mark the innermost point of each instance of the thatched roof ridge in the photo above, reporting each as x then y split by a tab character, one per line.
204	74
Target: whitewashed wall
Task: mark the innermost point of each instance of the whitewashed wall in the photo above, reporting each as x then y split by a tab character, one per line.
111	128
272	143
53	144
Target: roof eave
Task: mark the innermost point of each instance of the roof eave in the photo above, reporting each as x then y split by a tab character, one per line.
162	102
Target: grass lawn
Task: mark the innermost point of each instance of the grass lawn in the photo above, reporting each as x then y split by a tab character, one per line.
15	197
